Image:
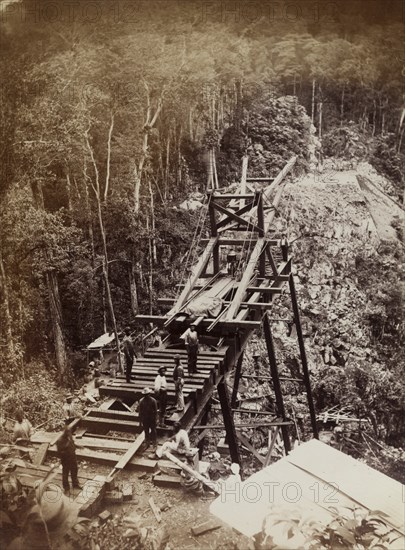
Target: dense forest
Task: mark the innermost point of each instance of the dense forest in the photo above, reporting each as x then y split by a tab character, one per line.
109	118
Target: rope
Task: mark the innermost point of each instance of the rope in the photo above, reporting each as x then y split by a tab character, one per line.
194	243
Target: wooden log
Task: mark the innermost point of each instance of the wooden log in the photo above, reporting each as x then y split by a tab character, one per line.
91	496
40	454
206	527
129	454
246	443
155	510
210	484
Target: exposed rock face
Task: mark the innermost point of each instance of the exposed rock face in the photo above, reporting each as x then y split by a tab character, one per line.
333	236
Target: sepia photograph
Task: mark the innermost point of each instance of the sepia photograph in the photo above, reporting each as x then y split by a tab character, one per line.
202	221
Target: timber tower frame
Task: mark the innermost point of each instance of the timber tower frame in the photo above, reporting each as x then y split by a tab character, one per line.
258	272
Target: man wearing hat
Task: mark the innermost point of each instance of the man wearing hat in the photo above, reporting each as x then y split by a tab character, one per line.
69	410
66	448
190	338
178	377
148	416
129	354
161	394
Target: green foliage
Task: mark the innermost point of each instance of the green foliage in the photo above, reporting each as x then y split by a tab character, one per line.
346	142
350	528
273	130
389	162
37	394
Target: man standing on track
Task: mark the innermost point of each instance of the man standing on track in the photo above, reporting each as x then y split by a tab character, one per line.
148	416
190	338
161	394
178	377
129	353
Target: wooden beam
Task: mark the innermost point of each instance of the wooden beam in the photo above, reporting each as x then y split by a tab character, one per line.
228	421
210	484
238	373
251	179
250	447
304	361
265	289
244	283
276	380
240	242
128	456
231	196
271	446
223	222
251	425
195	274
245	161
233	216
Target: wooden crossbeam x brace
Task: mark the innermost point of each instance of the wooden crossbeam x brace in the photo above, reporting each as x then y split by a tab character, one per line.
234	216
238	212
228	421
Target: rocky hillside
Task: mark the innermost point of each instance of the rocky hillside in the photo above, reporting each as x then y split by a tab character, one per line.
348	268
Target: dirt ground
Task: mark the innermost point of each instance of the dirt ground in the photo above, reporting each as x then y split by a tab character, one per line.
180	512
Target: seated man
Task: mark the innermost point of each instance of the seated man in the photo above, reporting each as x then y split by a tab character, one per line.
179	442
22	428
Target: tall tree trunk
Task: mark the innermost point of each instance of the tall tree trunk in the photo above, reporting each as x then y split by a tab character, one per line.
152	215
55	308
342	105
133	290
167	167
57	325
150	268
320	107
7	316
239	106
107	279
313	101
69	192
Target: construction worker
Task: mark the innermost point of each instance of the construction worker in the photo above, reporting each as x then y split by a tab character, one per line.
161	394
148	416
190	338
22	428
178	377
69	409
66	448
129	354
179	442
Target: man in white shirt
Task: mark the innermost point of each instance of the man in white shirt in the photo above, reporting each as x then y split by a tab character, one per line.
179	442
161	394
190	338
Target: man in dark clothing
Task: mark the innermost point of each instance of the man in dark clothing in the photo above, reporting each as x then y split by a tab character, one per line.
148	416
67	452
178	378
129	353
161	394
190	338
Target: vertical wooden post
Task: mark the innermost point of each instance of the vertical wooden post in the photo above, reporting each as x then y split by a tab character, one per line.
238	374
228	421
245	161
303	354
276	381
260	224
214	232
204	421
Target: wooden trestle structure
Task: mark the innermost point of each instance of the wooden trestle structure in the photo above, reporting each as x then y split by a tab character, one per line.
262	271
240	220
